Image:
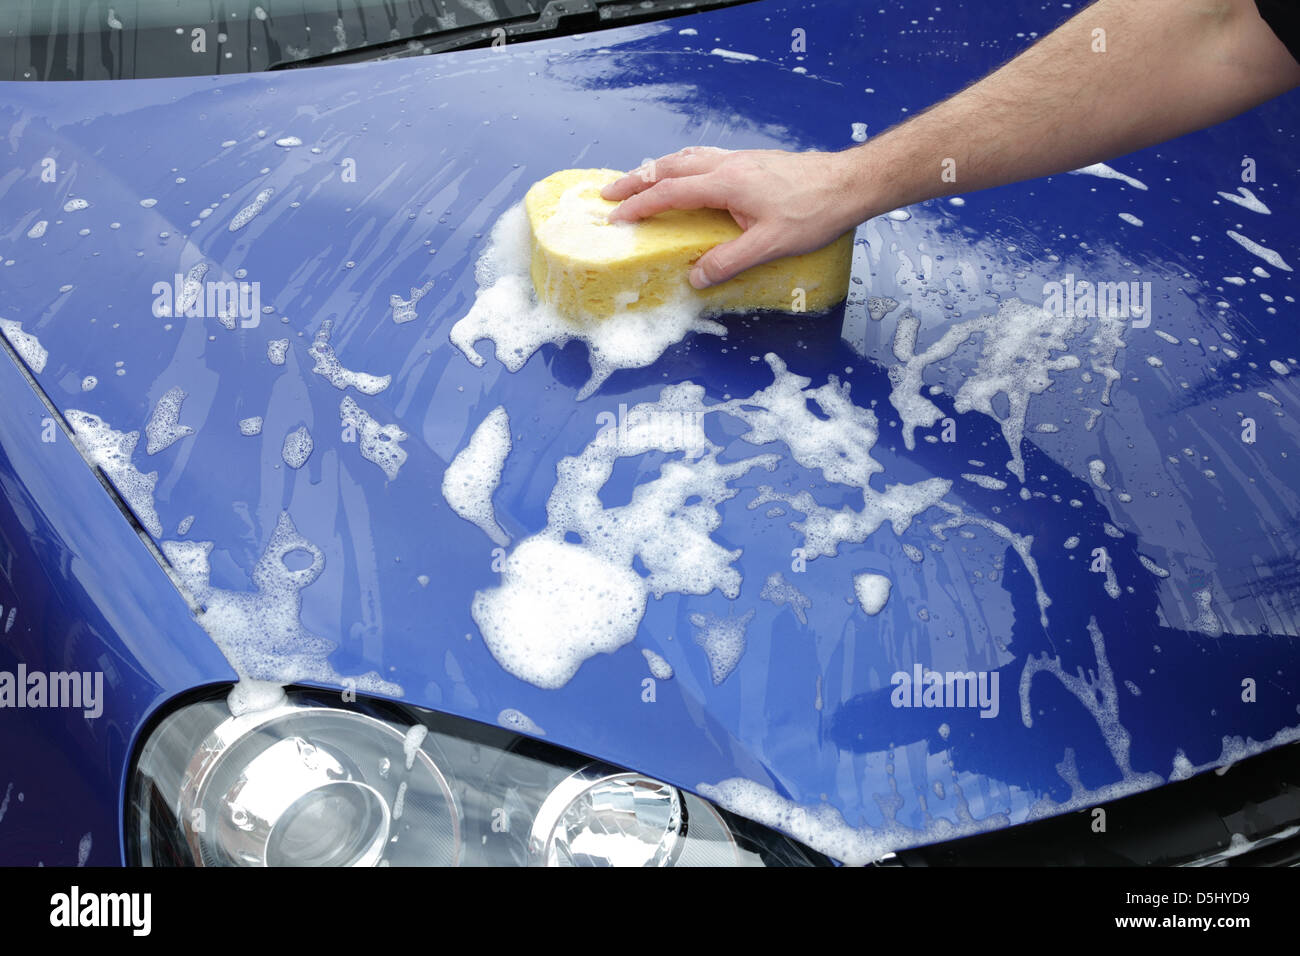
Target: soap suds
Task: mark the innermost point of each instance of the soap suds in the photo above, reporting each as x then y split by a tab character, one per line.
251	426
276	350
412	743
111	451
1247	200
723	640
517	720
328	366
164	426
506	311
1102	171
1268	255
1015	361
1095	691
474	474
259	631
249	212
404	309
872	591
571	591
659	667
27	346
986	481
781	592
378	443
297	447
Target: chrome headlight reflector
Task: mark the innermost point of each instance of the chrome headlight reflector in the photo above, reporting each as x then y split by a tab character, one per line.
315	782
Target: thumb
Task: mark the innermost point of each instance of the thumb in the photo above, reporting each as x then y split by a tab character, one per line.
725	261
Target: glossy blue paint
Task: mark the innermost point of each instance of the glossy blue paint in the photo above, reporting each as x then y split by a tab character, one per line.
441	147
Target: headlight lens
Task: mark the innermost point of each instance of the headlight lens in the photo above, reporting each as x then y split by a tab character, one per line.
310	782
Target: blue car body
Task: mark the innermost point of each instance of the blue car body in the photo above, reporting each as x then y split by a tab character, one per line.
1151	683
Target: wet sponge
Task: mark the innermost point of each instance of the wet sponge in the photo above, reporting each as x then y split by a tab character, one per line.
589	268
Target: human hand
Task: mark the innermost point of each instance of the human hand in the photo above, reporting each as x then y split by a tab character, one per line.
787	203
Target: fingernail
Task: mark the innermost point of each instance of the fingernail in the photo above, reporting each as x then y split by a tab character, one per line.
698	279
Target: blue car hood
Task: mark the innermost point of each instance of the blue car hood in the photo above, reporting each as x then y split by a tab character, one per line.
1132	600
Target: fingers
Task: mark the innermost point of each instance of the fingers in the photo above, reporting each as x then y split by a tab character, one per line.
727	260
691	161
690	192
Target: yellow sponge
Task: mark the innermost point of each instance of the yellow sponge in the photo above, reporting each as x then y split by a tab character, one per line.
589	268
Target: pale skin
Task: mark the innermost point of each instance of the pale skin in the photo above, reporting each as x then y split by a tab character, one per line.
1170	67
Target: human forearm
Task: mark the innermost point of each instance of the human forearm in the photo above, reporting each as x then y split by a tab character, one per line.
1156	70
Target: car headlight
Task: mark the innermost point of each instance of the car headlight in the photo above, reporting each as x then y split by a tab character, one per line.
312	782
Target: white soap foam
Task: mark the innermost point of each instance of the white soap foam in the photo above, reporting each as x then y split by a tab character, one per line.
1268	255
1171	339
164	426
859	134
111	451
474	474
1096	693
412	743
872	591
580	225
1131	219
249	212
1279	367
249	696
1155	361
733	55
723	640
1104	346
538	622
1020	543
506	311
986	481
1071	542
823	827
288	142
1247	200
276	349
1207	622
1234	280
1015	361
328	366
378	443
259	631
1097	472
659	667
251	426
1102	171
518	721
75	205
781	592
1153	567
297	447
88	383
185	524
557	605
38	230
880	306
404	309
27	346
